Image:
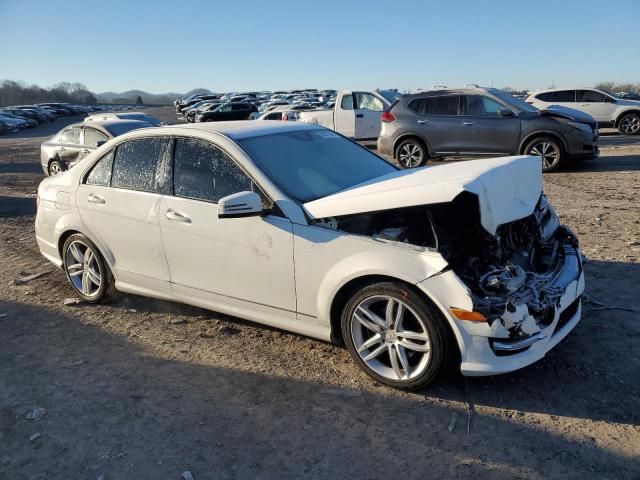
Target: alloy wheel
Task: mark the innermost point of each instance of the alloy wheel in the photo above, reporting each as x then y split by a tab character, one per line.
630	124
55	168
390	338
83	268
549	152
410	155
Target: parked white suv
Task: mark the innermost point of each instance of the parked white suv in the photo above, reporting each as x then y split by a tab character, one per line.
608	110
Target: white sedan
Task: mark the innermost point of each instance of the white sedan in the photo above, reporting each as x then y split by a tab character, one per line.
297	227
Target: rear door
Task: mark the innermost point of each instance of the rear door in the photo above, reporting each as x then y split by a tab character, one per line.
70	144
599	106
344	116
368	110
120	207
439	122
485	131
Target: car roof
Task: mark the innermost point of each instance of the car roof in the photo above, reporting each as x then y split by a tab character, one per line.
565	89
240	129
453	91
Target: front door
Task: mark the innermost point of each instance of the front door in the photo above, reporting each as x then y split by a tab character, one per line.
368	110
120	206
91	138
69	145
485	130
597	105
247	261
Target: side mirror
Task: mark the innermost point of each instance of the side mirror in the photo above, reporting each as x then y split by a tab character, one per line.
99	143
505	112
241	204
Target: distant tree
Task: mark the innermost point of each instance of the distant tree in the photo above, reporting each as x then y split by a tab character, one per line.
139	100
90	99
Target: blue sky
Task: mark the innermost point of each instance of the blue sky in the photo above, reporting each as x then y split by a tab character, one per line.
162	46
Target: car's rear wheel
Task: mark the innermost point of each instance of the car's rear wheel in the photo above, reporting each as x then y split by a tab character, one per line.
86	270
56	167
411	153
629	124
395	336
547	148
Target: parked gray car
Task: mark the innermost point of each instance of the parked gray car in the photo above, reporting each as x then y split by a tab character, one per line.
76	141
483	121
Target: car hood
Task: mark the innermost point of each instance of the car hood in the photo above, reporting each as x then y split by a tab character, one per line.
568	113
508	188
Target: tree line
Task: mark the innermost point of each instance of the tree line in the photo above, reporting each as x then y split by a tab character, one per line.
19	93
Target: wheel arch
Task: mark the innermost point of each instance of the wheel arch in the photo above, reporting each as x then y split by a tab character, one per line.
542	133
343	294
622	114
405	136
72	230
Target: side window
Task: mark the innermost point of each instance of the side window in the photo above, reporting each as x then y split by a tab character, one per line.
366	101
478	105
225	108
418	105
202	171
70	136
100	174
347	102
590	96
138	165
93	136
443	105
562	96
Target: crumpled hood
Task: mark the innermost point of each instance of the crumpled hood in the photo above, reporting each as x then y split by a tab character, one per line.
568	113
508	188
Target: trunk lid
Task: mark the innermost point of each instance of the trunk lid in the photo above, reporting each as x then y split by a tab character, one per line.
508	188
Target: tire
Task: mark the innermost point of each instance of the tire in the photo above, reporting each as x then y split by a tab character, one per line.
549	149
56	167
629	124
411	153
385	353
89	275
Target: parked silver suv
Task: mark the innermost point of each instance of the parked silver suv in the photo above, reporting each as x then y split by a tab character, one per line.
483	121
606	108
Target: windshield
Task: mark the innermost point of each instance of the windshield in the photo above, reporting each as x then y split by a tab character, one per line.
513	101
310	164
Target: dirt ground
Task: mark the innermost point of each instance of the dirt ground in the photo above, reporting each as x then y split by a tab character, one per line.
144	389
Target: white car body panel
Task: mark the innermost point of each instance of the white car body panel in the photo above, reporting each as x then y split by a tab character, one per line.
508	188
284	271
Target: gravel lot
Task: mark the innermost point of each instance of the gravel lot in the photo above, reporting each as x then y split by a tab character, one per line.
144	389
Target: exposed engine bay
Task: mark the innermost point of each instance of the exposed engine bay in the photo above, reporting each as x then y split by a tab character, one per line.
515	276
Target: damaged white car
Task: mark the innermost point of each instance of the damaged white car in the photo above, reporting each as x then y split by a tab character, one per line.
297	227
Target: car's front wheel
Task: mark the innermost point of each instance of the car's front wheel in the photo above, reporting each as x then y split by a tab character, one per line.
629	124
86	270
395	336
411	153
547	148
56	167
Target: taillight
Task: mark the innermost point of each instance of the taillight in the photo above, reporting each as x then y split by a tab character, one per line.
387	117
285	117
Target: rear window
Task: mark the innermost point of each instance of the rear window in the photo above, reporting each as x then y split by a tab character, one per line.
443	105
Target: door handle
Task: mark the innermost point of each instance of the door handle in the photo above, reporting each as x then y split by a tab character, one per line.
85	150
359	115
423	122
61	149
468	124
96	199
177	217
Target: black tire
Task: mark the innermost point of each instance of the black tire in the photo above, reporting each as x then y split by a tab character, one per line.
440	341
106	288
55	167
629	124
549	149
411	153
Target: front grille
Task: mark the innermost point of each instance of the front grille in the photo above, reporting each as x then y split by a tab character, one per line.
567	314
